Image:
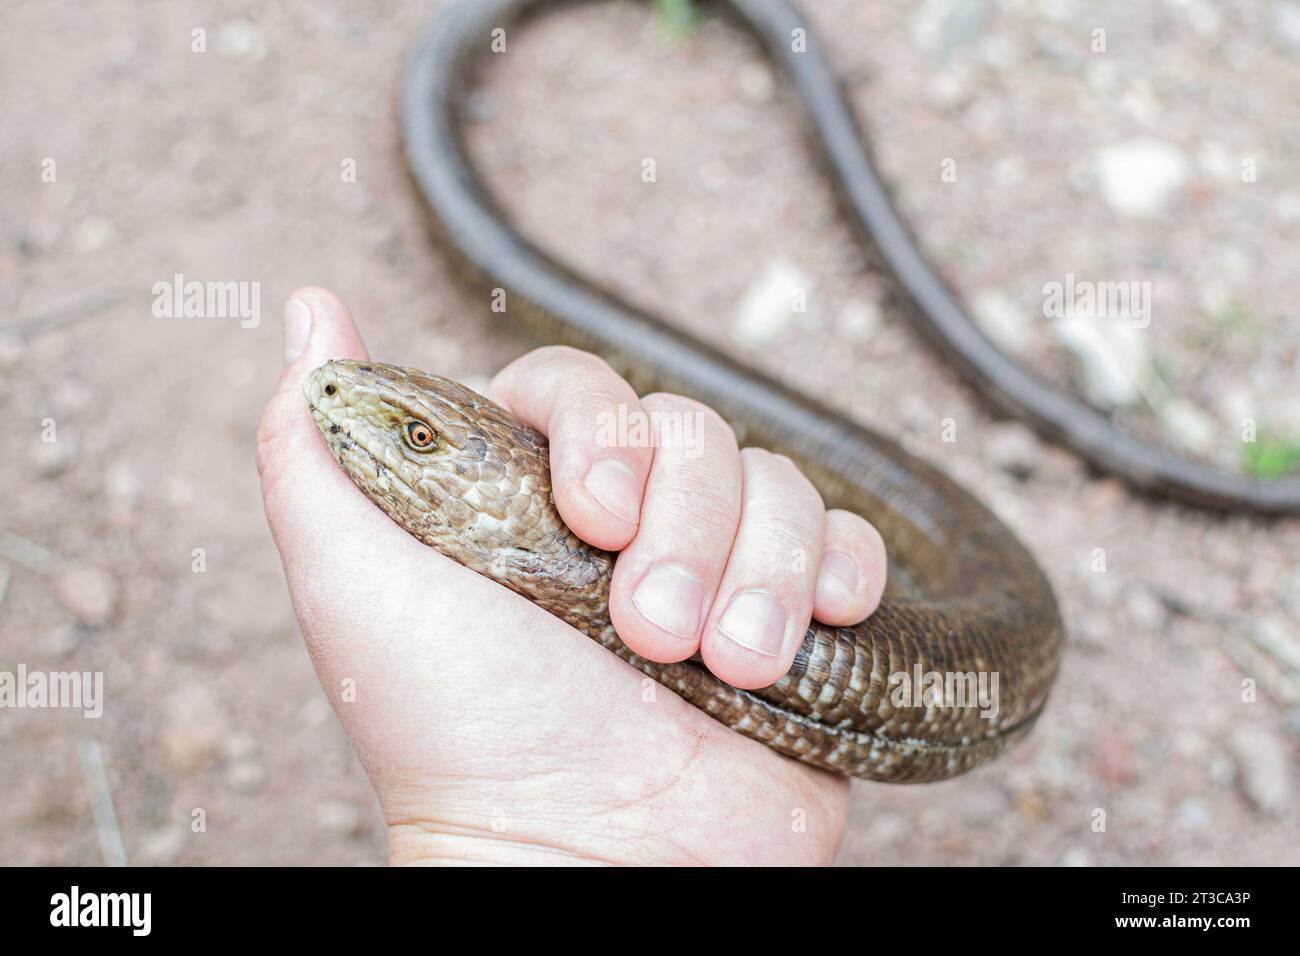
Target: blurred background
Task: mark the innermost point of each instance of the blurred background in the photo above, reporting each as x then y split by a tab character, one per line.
1018	150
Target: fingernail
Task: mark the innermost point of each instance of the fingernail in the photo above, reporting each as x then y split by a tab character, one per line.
297	326
671	597
838	570
755	620
615	485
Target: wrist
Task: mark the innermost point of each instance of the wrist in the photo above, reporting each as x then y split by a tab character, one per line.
428	843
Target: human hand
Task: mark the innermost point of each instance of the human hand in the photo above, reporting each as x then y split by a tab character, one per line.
493	732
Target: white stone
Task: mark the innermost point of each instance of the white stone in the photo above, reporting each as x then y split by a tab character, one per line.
194	729
1204	18
757	83
1013	448
1292	595
162	845
241	40
53	458
1215	160
1140	178
1193	814
340	818
860	320
1188	425
769	306
1281	641
1264	764
939	27
93	234
1287	207
1112	356
1075	856
1284	24
1002	319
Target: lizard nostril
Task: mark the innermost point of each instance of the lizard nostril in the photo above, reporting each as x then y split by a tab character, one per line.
330	389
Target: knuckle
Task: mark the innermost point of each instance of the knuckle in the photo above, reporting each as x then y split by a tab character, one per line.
671	401
590	413
549	365
776	534
712	424
779	469
696	503
570	358
774	518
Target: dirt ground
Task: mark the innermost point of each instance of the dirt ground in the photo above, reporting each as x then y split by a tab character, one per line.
230	165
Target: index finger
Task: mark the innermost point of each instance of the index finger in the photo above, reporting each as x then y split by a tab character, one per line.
600	445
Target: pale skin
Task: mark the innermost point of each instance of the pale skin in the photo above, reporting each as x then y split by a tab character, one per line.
495	733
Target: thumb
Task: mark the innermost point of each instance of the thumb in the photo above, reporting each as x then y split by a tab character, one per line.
301	483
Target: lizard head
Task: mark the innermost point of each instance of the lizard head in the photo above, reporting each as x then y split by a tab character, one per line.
453	468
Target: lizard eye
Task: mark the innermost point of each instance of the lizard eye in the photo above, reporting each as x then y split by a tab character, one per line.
419	436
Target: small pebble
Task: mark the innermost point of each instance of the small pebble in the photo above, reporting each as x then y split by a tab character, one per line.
11	349
247	776
1204	18
1146	611
756	82
87	591
1075	856
53	458
93	234
194	729
1113	760
241	40
949	88
768	308
58	641
1002	319
1284	26
1264	763
160	846
1292	591
1193	814
1222	771
340	818
1279	638
122	488
941	27
860	320
1112	356
1188	425
1140	178
1013	448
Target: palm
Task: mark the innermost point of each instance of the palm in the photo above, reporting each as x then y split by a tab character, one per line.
464	695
